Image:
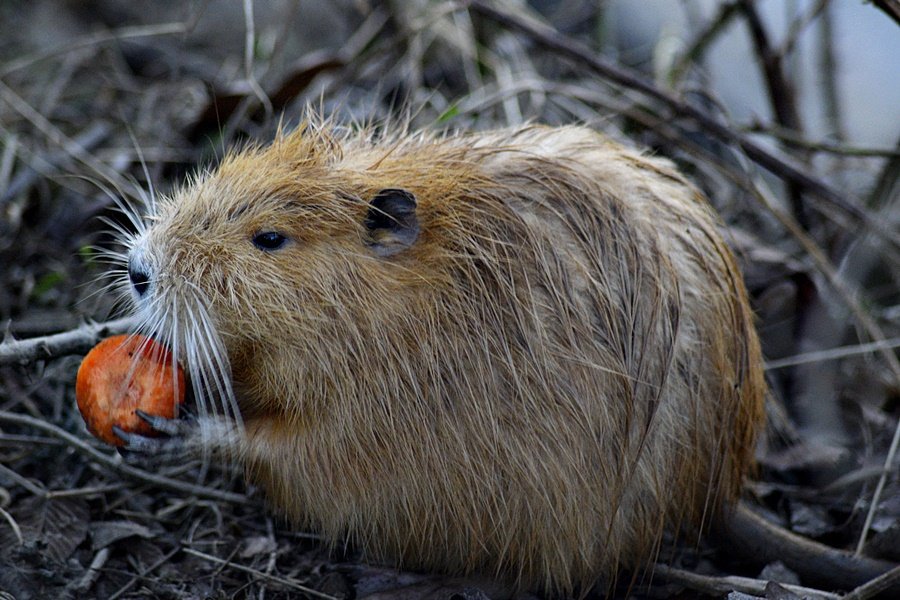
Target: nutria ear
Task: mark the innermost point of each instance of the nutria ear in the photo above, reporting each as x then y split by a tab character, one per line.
391	222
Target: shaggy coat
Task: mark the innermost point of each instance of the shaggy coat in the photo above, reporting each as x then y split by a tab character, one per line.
524	353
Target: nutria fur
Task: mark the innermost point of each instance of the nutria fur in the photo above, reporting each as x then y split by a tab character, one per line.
524	353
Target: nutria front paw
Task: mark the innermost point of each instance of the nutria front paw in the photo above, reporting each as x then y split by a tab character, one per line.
174	438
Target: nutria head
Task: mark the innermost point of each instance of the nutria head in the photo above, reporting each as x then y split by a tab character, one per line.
249	260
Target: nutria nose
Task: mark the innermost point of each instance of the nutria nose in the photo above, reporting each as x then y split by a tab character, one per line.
140	279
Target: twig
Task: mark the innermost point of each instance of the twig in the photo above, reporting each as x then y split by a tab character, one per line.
876	497
11	144
831	148
890	7
781	99
290	583
876	586
828	67
36	490
724	585
60	344
95	490
87	140
98	38
550	38
19	440
885	191
168	555
695	51
57	137
90	575
249	44
832	354
114	462
799	24
13	525
754	539
781	96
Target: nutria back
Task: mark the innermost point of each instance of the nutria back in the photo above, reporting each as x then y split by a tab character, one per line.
524	353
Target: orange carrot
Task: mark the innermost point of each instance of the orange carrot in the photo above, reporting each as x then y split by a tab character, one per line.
122	374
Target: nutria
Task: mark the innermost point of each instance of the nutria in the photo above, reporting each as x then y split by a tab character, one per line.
524	353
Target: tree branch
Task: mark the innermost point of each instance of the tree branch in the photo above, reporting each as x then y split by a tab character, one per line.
890	7
60	344
550	38
115	463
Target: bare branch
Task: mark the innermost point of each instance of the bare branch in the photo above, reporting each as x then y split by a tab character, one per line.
833	353
101	37
709	34
550	38
879	489
249	46
890	7
820	146
115	463
781	95
57	137
288	583
60	344
875	587
754	538
723	585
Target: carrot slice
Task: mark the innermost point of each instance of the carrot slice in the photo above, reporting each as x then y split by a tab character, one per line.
122	374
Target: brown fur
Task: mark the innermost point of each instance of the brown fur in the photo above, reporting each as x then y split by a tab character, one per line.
560	367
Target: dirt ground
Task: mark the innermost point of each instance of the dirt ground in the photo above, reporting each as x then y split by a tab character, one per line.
102	100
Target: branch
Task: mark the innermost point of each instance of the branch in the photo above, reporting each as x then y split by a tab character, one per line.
707	36
719	586
880	584
114	462
747	535
841	149
550	38
780	92
53	134
890	7
101	37
781	95
88	139
60	344
260	575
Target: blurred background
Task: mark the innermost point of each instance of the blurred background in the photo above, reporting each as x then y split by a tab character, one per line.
785	112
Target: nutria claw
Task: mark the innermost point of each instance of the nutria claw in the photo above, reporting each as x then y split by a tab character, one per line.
171	427
176	431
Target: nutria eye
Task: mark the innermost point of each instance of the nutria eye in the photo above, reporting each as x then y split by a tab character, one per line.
269	240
